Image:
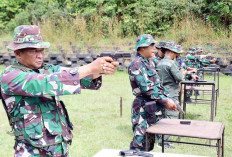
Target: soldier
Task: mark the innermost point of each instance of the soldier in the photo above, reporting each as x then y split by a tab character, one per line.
31	91
204	61
192	58
198	60
147	88
171	76
181	64
192	61
158	56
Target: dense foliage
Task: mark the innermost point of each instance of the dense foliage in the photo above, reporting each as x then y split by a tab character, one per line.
134	16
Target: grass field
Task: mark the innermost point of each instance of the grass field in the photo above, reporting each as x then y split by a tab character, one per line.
98	125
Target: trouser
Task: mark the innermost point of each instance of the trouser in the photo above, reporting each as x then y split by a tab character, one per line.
170	114
139	125
27	150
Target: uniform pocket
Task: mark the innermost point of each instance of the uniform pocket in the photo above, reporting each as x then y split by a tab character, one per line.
52	122
32	121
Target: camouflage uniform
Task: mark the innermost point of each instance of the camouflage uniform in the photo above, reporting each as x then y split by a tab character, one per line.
202	62
193	61
146	86
38	118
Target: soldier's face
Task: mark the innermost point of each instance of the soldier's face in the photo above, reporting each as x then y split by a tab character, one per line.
199	52
160	53
30	57
149	51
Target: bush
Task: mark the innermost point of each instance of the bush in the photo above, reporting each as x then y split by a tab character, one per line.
135	17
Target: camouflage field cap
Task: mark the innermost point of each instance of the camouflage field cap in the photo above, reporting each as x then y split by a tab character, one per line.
180	49
192	49
144	41
170	45
199	49
27	36
161	44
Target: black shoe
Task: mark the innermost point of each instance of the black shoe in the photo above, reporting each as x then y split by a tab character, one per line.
197	93
188	100
166	146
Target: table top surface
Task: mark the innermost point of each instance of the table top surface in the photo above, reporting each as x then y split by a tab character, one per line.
115	153
196	129
210	69
199	82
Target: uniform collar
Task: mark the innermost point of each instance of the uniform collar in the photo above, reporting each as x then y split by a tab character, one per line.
144	59
167	58
17	64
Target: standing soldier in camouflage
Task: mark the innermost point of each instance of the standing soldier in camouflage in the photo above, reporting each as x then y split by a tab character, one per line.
204	61
147	88
197	60
192	58
192	61
31	90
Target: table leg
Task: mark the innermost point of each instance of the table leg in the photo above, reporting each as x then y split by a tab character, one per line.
218	83
216	102
180	97
146	141
184	103
162	143
214	76
212	103
219	147
223	143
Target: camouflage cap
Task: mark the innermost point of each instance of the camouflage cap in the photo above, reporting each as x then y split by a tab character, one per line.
192	49
179	47
170	45
27	36
161	44
199	49
144	41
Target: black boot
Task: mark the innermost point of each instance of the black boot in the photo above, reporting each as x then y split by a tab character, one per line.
197	93
188	100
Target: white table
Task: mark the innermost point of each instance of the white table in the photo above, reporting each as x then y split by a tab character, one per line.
115	153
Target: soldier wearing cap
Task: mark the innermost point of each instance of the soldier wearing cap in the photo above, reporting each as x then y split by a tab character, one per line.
31	90
147	87
160	55
171	76
204	61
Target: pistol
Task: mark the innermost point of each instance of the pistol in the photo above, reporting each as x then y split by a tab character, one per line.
115	55
180	109
134	153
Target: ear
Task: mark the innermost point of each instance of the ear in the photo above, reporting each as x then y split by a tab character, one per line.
17	53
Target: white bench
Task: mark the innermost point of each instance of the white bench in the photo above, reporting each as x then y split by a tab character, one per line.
115	153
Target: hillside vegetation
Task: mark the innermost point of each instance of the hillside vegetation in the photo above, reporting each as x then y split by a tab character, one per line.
93	23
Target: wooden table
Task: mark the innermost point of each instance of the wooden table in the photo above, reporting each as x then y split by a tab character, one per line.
196	129
194	87
215	71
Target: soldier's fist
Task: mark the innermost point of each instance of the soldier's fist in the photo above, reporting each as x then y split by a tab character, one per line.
171	105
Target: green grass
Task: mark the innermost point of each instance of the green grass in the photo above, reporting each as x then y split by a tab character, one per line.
98	125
